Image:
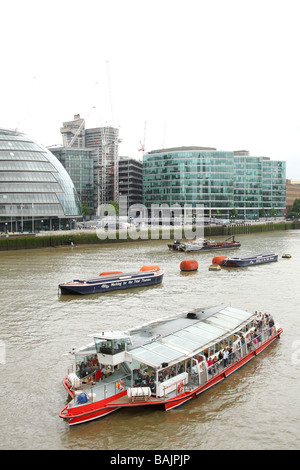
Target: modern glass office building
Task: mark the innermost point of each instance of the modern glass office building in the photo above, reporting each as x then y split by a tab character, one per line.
248	177
80	166
35	189
273	186
227	183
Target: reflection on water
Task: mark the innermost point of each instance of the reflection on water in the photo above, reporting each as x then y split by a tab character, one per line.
252	408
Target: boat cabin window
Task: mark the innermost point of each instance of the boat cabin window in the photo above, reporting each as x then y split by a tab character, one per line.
111	346
86	364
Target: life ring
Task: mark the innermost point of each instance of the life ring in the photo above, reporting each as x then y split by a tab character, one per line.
180	387
121	385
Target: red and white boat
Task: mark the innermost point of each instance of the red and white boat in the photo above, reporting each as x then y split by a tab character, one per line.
163	363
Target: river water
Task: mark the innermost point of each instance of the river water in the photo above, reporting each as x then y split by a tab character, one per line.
255	408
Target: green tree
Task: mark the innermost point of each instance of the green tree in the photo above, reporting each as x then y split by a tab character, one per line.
85	210
233	213
273	212
296	205
295	211
262	212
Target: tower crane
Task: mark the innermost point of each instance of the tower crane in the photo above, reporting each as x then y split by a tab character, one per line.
115	170
142	149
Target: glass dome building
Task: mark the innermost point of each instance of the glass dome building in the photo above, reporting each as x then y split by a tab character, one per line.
34	186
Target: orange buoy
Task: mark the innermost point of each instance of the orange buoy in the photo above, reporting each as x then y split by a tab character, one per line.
219	260
189	265
110	272
150	268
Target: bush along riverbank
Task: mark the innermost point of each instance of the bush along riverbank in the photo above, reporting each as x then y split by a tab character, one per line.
24	241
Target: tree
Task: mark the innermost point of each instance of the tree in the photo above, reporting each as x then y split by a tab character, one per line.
233	213
85	210
273	212
295	211
262	212
296	206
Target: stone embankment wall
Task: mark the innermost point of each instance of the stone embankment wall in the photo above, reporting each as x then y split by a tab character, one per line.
89	237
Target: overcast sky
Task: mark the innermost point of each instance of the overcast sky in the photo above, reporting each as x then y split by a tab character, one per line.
215	73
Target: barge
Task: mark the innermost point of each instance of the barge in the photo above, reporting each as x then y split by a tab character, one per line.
108	281
242	262
202	244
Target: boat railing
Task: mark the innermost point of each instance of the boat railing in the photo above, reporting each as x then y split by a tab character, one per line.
108	389
254	340
258	336
88	380
117	385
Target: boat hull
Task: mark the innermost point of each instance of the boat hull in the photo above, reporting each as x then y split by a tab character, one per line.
112	283
241	262
204	245
102	408
223	246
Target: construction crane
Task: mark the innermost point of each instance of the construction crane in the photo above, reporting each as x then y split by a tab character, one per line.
69	144
142	149
115	170
110	93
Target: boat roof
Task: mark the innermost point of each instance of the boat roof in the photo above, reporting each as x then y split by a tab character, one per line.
169	339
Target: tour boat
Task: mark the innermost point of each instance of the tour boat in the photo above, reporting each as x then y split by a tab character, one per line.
241	262
108	281
202	244
163	363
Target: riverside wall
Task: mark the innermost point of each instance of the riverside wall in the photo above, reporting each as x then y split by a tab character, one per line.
89	237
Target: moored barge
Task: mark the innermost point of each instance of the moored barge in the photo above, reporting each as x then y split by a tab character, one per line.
241	262
108	281
164	363
202	244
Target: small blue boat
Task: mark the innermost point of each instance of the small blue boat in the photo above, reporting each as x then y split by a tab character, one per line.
224	261
116	280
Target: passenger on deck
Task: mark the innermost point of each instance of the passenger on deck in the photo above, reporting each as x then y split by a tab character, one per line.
146	379
210	365
225	357
271	324
230	354
257	336
139	378
220	358
259	320
250	338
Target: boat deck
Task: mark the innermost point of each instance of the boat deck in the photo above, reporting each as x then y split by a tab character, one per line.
108	388
120	389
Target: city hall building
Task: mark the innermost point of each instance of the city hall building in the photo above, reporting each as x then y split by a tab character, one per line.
36	191
228	184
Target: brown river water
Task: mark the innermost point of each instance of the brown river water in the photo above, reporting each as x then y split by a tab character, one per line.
255	408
